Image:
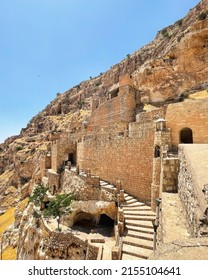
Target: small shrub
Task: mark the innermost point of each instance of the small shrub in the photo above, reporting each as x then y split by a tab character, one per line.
179	22
202	16
97	84
36	215
18	148
38	195
165	33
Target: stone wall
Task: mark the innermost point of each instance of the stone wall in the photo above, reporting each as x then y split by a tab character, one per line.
191	114
119	157
192	178
120	108
53	182
170	168
60	150
66	246
76	184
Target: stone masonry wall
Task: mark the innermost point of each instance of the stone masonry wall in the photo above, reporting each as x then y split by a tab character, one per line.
169	178
192	178
119	109
191	114
128	159
73	183
60	149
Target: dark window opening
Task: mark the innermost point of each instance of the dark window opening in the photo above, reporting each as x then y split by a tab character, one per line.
186	136
157	152
72	157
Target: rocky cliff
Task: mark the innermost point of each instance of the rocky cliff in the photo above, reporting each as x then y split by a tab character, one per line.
173	64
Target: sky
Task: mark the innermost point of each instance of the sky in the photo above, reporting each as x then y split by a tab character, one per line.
49	46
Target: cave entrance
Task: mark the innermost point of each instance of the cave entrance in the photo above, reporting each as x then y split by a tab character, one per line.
186	136
86	222
106	221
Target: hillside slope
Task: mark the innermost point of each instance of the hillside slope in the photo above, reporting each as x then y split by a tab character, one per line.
174	64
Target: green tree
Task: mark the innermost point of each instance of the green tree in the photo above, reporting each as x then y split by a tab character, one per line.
38	195
58	207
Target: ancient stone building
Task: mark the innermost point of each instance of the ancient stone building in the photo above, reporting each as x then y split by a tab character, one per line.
119	144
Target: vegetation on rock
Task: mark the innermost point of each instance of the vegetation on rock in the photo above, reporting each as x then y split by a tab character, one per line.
58	207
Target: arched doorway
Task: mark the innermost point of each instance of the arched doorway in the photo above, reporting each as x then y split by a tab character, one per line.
186	136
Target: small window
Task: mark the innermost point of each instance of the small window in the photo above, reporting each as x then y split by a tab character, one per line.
157	152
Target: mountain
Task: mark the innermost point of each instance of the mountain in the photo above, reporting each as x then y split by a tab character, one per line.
167	70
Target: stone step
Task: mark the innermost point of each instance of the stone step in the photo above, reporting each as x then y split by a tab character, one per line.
103	183
130	201
139	217
140	229
142	235
139	213
143	243
136	251
133	204
142	207
108	186
126	257
128	197
145	224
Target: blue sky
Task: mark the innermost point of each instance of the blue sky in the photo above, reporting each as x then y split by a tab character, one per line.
49	46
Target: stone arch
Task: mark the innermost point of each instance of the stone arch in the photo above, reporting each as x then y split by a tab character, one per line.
186	136
84	218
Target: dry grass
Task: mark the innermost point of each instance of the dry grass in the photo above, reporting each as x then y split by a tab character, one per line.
9	253
199	95
22	204
6	219
5	176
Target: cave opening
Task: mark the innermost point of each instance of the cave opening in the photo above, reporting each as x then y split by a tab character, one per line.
88	223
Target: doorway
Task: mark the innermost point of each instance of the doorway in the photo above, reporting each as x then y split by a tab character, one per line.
186	136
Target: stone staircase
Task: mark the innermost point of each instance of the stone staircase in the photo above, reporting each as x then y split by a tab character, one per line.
139	234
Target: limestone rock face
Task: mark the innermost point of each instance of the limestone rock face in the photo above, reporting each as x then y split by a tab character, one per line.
174	63
95	208
180	67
